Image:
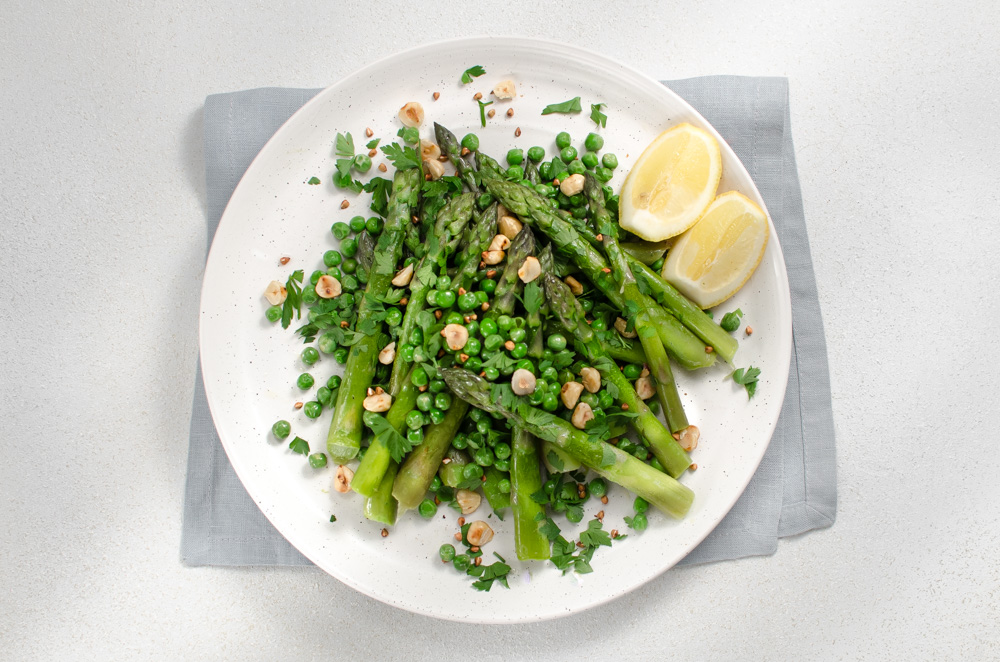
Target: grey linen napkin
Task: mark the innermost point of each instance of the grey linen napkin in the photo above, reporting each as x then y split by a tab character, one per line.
793	491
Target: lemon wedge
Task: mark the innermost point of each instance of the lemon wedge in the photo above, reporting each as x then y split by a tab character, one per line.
713	259
671	184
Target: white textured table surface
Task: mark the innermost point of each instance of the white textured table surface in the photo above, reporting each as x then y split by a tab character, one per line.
103	243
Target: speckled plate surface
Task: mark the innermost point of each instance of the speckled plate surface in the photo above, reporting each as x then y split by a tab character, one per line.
250	365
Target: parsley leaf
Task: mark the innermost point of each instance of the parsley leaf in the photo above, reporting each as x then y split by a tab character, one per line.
482	111
373	143
533	297
599	118
293	299
299	445
379	187
472	72
731	321
397	444
747	379
571	106
345	145
313	181
333	518
595	535
401	156
488	574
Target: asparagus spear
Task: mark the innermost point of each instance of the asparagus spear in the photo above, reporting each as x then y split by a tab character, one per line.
508	285
378	456
452	148
417	472
380	506
344	438
476	239
615	465
686	311
447	232
656	355
526	479
565	306
683	345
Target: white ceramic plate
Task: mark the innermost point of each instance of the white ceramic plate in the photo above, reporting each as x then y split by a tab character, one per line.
250	365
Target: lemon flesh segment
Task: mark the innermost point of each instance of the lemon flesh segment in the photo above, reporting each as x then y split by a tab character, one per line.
671	184
711	261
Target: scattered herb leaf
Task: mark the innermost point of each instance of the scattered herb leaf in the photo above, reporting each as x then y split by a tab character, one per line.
472	72
571	106
599	118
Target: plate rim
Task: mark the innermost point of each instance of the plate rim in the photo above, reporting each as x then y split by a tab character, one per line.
567	50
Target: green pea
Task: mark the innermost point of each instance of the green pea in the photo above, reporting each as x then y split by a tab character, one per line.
504	483
599	324
550	401
349	247
340	355
437	385
597	488
488	327
470	142
415	419
442	283
536	397
335	272
483	457
657	266
460	442
502	450
349	266
484	201
566	376
545	172
559	168
340	230
419	355
425	401
281	429
443	401
334	382
492	374
393	316
640	505
467	301
432	298
324	395
574	516
454	317
332	258
446	551
520	350
488	285
427	509
415	437
517	335
589	160
502	466
563	140
446	298
462	562
505	322
605	399
471	471
568	154
484	425
507	370
357	223
482	297
590	399
417	336
593	142
632	371
515	156
362	163
472	346
312	409
315	276
580	212
587	305
410	134
515	173
536	153
317	460
305	381
556	342
309	355
349	283
273	314
419	377
603	174
610	161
